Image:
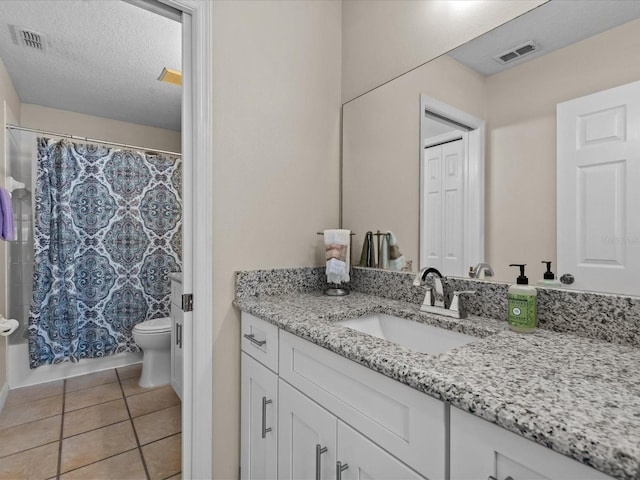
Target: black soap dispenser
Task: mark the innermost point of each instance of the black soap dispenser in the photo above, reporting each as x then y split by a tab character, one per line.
549	279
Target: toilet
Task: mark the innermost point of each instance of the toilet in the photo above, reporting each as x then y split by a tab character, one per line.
154	338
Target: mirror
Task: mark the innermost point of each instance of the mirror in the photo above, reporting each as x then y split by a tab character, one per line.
381	129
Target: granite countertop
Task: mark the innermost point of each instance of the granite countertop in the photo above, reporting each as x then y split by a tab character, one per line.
578	396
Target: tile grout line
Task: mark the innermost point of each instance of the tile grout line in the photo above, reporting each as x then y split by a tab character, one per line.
135	433
64	397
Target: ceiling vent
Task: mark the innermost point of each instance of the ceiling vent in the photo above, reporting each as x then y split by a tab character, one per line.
27	38
517	52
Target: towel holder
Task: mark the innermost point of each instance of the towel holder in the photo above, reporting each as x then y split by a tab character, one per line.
336	290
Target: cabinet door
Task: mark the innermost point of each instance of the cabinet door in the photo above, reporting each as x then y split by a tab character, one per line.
258	418
362	459
307	437
480	449
177	351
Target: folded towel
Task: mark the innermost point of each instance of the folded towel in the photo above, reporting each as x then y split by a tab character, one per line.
396	258
367	258
337	255
6	216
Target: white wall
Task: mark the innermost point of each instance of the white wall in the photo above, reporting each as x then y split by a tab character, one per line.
386	38
276	112
99	128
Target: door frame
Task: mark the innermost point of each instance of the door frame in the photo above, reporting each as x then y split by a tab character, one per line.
197	152
474	176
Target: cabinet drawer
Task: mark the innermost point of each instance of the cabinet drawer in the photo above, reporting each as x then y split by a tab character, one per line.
408	424
260	340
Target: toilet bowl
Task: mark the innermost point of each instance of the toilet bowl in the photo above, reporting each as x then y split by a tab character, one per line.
154	338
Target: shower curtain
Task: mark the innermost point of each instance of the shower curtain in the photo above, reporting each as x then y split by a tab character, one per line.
107	234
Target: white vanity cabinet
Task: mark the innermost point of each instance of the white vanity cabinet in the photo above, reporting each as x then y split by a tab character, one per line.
480	449
409	425
259	399
314	444
177	352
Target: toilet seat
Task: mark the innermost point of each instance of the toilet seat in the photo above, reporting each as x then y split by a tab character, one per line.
156	325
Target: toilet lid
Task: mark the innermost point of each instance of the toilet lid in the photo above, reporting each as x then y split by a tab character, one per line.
155	325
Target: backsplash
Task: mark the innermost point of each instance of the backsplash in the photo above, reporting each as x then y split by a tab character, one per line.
608	317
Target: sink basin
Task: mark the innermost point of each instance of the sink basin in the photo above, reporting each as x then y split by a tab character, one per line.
409	333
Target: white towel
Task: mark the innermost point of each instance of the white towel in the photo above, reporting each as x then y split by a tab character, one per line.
396	258
337	255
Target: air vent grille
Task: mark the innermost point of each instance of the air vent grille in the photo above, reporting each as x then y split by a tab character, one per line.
31	39
28	38
517	52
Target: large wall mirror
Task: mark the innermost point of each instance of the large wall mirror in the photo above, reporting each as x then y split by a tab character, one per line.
579	48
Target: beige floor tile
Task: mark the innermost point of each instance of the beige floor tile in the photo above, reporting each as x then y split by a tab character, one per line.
130	371
36	464
90	418
176	477
163	457
152	401
91	380
157	425
96	445
18	414
35	392
126	466
131	387
29	435
92	396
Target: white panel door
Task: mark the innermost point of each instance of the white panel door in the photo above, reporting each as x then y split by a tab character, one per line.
598	173
362	459
258	421
306	437
443	225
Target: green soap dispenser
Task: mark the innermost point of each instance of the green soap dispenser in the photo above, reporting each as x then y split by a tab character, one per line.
522	304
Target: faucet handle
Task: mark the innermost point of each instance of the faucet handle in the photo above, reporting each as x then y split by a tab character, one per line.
455	303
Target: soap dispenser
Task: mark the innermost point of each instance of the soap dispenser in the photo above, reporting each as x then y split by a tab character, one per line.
549	279
522	304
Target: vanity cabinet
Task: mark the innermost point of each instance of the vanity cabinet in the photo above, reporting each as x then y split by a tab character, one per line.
259	399
177	352
480	449
314	444
259	420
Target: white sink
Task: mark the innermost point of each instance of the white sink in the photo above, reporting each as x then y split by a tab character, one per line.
409	333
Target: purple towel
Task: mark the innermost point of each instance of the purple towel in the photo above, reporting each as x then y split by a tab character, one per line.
6	216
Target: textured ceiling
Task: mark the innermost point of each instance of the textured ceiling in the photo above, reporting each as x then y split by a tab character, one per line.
101	57
553	25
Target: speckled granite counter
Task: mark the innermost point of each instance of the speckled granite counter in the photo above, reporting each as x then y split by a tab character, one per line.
578	396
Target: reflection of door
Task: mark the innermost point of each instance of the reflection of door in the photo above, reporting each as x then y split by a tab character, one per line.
598	173
443	181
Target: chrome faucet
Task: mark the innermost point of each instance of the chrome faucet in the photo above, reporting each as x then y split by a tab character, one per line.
434	299
488	271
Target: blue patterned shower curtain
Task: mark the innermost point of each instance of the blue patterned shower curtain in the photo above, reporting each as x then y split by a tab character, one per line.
107	235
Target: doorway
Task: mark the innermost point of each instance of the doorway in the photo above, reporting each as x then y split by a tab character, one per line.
451	187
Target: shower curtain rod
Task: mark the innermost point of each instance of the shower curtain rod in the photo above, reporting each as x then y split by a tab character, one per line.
93	140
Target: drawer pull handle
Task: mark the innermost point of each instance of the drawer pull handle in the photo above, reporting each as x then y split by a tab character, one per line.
265	430
319	451
252	339
339	469
179	335
491	477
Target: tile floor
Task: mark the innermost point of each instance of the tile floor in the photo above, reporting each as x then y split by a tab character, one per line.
96	426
